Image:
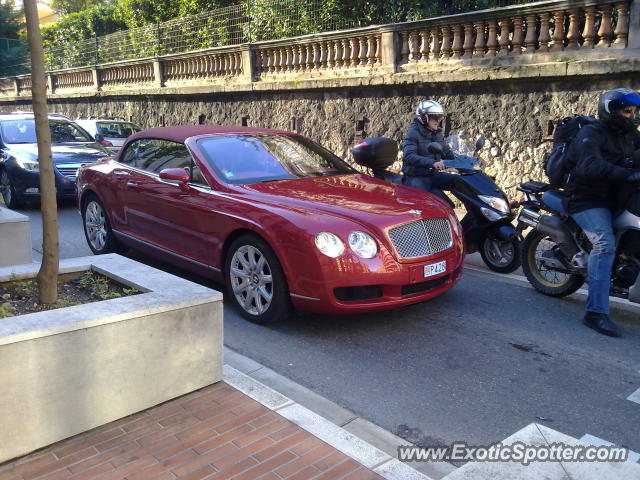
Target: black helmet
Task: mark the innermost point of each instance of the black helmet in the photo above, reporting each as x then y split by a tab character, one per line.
612	101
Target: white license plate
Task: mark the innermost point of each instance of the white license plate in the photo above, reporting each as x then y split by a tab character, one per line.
435	268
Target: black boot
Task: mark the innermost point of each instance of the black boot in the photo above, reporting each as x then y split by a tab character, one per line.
601	323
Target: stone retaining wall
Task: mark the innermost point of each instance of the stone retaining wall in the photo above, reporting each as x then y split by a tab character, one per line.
512	113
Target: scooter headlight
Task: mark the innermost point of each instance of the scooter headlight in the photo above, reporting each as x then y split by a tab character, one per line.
498	203
329	244
491	215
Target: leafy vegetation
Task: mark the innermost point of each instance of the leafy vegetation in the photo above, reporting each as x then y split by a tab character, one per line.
155	27
13	49
21	296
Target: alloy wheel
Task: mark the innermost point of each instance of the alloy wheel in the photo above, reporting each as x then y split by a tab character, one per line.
95	225
251	279
5	189
499	252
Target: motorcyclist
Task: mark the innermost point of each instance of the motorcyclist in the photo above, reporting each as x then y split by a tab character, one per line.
422	168
602	152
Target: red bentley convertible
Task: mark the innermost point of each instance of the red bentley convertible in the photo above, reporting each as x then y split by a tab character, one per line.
282	221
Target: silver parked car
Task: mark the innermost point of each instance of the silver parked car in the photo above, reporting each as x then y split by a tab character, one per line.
110	133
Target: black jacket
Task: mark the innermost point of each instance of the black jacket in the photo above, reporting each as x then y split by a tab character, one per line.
603	162
417	161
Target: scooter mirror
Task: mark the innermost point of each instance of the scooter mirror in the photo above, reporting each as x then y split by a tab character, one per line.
435	148
479	143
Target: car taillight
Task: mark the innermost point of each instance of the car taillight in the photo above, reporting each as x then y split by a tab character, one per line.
106	143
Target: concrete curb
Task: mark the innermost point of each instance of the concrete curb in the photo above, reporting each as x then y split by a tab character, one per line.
356	437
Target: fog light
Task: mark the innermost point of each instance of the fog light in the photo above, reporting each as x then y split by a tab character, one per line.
32	190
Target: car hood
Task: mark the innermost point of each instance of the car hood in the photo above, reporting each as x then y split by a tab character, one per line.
62	152
357	197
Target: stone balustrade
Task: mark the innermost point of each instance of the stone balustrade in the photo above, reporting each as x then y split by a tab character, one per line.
319	55
556	27
202	67
126	75
512	31
74	80
7	87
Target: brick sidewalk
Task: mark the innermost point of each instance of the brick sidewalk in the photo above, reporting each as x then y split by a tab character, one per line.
215	433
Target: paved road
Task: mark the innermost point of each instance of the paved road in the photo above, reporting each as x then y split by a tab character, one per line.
475	364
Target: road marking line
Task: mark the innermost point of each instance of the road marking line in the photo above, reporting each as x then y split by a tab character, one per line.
593	440
635	396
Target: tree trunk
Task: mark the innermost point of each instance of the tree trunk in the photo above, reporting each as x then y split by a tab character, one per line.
48	274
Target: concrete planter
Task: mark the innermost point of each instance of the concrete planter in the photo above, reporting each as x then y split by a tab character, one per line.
66	371
16	238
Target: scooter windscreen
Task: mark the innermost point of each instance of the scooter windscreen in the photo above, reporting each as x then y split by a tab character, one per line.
464	149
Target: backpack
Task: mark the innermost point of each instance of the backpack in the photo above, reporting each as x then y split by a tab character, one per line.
560	162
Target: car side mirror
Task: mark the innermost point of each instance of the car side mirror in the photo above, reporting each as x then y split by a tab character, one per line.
479	143
99	137
175	175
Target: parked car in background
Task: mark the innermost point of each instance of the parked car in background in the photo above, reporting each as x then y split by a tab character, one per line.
71	147
110	133
282	221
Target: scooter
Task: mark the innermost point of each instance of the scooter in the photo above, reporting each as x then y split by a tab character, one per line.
555	252
487	224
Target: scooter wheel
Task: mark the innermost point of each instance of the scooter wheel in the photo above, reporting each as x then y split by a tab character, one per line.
548	281
502	256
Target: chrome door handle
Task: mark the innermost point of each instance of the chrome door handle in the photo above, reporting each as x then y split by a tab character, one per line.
132	185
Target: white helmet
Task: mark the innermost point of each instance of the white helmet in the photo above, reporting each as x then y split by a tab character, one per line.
426	108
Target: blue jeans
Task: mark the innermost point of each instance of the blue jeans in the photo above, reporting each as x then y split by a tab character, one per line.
433	183
597	224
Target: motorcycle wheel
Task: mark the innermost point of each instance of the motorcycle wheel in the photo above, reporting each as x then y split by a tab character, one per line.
547	281
502	256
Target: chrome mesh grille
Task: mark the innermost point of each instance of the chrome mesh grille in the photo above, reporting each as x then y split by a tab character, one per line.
422	237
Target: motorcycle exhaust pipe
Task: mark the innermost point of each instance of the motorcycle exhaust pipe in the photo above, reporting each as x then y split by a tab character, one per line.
554	227
529	217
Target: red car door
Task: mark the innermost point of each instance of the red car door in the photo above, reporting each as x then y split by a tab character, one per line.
167	215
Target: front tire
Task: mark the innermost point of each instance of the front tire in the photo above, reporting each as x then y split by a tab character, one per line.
502	256
97	229
9	195
550	282
255	281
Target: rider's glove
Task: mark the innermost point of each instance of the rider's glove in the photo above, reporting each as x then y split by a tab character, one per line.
634	177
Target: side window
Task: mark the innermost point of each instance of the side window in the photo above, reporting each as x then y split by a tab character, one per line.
136	152
167	154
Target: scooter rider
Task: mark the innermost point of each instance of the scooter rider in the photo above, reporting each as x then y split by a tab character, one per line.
421	168
602	151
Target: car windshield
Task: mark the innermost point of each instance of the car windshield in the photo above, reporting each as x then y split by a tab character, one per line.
261	158
116	129
24	131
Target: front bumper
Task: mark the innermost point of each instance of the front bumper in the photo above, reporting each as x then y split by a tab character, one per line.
349	285
27	184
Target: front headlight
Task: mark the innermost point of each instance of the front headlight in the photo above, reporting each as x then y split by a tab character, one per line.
329	244
362	244
495	202
28	164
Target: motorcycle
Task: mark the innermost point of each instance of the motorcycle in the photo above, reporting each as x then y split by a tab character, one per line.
487	224
555	252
